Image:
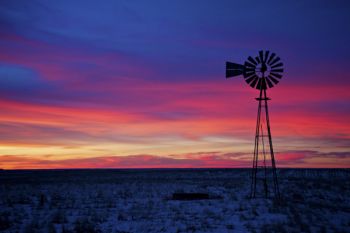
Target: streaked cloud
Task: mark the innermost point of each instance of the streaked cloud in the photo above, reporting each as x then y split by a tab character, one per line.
312	159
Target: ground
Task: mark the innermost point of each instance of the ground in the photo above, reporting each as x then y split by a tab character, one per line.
313	200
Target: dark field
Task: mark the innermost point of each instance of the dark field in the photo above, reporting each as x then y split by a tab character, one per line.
313	200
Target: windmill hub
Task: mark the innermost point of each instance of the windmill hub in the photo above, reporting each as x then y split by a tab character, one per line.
262	70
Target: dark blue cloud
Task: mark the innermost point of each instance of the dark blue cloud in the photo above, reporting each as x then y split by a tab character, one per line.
18	80
189	40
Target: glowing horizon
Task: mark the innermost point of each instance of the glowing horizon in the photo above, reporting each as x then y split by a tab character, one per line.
125	85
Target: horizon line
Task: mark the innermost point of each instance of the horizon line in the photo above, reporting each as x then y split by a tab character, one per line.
166	168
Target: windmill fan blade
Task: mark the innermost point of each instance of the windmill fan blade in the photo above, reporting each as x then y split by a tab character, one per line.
277	65
276	75
274	61
261	84
257	59
249	65
234	66
258	85
248	74
269	83
248	80
261	56
252	84
250	69
233	73
275	81
266	55
252	60
278	71
271	57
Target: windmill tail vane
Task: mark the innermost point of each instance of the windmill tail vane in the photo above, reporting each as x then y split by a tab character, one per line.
262	72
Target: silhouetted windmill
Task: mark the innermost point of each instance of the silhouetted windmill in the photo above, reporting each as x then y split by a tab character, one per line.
261	72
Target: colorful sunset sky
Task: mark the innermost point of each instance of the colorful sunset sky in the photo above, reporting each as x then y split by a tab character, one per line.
141	84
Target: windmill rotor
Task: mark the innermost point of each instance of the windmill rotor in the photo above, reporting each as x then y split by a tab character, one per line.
262	72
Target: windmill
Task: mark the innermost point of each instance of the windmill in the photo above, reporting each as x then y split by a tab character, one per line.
262	72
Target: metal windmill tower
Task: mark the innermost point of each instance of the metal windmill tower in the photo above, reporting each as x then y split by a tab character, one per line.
262	72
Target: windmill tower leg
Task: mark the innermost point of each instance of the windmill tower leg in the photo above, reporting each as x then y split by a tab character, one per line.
273	163
263	173
256	150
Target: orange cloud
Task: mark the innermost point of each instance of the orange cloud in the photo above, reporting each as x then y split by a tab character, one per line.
132	161
302	159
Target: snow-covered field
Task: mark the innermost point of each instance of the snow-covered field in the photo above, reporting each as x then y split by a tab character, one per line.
314	200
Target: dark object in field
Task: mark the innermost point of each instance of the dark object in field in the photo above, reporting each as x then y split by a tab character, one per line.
190	196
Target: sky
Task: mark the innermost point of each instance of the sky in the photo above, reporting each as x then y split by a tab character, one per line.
141	84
